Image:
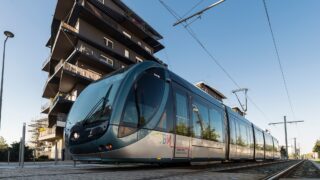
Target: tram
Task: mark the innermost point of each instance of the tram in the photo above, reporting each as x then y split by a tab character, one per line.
146	113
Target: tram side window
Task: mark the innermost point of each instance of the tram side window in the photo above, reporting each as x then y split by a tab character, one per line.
276	145
238	135
243	139
216	125
259	139
143	101
233	138
182	121
166	122
250	136
269	144
200	118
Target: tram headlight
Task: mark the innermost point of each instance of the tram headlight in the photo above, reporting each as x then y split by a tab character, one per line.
76	135
109	147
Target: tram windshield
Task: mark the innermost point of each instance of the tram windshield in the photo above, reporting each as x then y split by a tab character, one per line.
94	104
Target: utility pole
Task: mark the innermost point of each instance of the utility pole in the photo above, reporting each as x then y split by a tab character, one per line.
285	122
22	143
8	156
295	148
8	35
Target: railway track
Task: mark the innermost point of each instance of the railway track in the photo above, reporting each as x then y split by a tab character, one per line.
152	171
238	170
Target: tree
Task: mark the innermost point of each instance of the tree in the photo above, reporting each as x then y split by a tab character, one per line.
3	144
14	152
3	149
316	147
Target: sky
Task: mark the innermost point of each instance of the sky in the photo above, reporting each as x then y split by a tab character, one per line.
236	33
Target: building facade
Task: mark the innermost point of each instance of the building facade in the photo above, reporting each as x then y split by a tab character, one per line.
37	129
89	39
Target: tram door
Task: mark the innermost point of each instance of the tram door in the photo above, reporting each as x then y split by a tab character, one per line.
182	124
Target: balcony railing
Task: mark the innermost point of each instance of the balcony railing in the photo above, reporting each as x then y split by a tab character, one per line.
58	66
45	106
92	52
52	101
55	99
141	25
81	72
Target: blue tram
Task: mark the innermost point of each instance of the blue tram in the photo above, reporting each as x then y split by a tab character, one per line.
146	113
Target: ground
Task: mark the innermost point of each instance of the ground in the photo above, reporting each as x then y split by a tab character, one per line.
48	170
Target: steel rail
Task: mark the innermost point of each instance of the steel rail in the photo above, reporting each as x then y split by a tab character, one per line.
247	166
281	173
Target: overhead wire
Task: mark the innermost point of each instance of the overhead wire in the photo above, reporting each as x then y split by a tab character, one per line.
194	36
278	58
195	6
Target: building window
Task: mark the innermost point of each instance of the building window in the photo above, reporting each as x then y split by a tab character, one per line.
139	60
102	1
148	49
108	43
108	60
103	58
126	34
126	53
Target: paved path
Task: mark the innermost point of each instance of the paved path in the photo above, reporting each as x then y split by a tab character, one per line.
65	170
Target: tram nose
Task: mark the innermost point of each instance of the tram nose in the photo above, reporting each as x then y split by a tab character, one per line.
81	133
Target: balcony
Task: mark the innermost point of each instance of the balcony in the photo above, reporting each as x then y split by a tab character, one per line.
72	75
66	76
97	16
51	134
64	42
133	22
51	87
46	64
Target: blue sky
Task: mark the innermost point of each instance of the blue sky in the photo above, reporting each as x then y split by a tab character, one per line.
235	32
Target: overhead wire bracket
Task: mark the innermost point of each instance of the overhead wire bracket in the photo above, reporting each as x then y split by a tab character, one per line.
199	13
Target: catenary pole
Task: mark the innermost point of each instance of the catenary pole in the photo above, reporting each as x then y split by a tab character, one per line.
285	134
285	122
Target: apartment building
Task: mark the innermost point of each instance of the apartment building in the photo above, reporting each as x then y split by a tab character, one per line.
89	39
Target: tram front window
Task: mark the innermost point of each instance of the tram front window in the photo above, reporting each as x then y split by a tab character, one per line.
94	103
143	101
